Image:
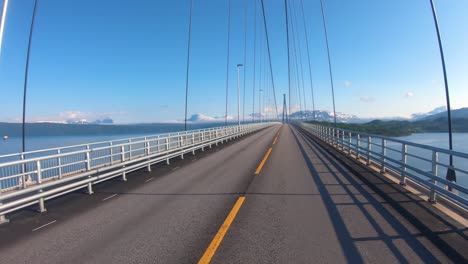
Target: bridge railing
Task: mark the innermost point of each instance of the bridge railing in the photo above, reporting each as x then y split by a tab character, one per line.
33	177
422	165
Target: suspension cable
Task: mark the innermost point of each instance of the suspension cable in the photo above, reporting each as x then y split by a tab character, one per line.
245	58
254	62
329	61
297	38
227	63
308	59
269	57
188	64
289	60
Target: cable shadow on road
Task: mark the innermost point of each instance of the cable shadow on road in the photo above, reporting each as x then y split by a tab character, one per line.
376	215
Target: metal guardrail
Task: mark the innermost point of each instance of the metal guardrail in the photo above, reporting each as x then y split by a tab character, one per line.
33	177
421	164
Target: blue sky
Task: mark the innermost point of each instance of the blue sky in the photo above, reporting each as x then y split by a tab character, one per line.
127	59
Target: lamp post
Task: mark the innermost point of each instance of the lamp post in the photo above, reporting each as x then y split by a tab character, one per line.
238	95
2	22
451	176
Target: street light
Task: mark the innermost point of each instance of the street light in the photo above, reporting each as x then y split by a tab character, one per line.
2	22
451	175
238	95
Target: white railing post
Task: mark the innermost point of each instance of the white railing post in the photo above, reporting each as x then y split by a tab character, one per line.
358	146
369	148
39	181
59	164
122	153
384	153
332	138
23	172
343	141
349	143
88	168
129	149
157	145
111	153
435	160
203	140
147	146
88	159
404	158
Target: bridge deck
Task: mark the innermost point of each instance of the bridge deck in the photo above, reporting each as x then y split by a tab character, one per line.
305	206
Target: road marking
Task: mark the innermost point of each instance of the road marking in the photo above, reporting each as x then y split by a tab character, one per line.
150	179
263	161
211	250
107	198
175	168
42	226
274	141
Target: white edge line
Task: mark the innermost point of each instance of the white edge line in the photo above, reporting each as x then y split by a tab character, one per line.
42	226
107	198
152	178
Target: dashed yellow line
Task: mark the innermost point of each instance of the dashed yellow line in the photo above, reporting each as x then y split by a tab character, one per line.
211	250
274	141
259	168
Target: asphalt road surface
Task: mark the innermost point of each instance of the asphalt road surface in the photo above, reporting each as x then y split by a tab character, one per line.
276	196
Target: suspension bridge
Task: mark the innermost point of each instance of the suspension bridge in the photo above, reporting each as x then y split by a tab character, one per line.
252	191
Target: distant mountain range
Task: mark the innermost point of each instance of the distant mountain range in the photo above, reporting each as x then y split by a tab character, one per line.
436	122
326	116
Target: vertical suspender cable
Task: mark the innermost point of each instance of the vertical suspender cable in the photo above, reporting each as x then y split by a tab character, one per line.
260	110
2	22
254	62
269	58
329	61
451	176
296	33
245	58
26	73
296	47
188	64
308	59
289	62
227	63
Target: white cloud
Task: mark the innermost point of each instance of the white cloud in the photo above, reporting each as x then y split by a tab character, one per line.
409	94
347	83
63	117
367	99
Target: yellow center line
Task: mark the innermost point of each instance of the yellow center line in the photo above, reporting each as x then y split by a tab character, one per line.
211	250
263	161
274	141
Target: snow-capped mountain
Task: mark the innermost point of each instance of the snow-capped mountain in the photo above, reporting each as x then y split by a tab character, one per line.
326	116
340	117
201	118
438	110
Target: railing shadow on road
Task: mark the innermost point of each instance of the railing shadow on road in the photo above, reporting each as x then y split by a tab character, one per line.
317	155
